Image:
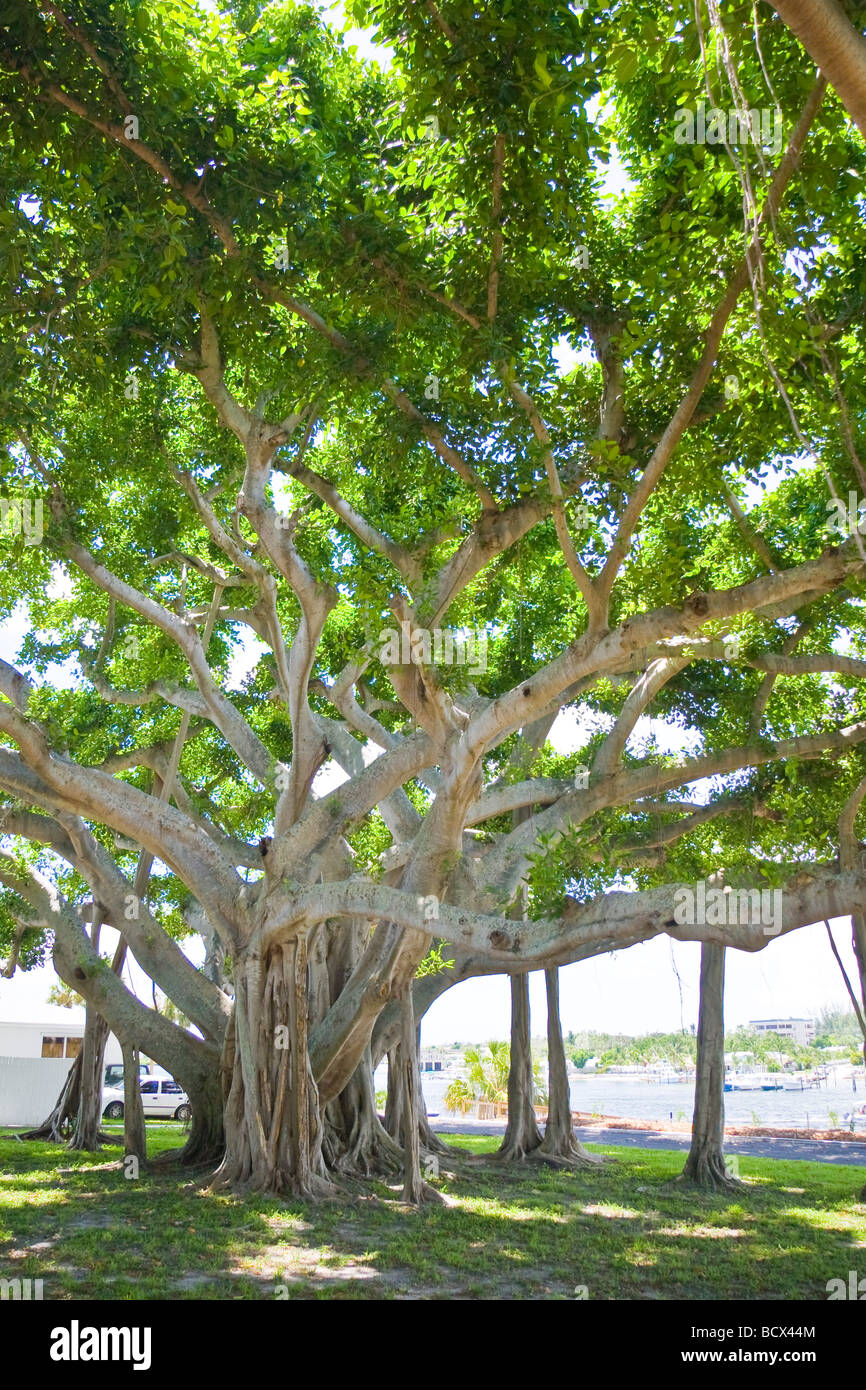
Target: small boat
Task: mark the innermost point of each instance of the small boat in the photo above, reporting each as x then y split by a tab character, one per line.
753	1081
856	1116
741	1081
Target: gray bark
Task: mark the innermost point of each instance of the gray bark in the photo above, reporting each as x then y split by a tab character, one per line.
366	1148
705	1164
86	1135
858	935
273	1121
396	1098
834	44
57	1127
560	1146
522	1135
134	1131
412	1181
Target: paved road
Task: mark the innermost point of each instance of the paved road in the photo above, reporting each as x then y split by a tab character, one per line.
815	1150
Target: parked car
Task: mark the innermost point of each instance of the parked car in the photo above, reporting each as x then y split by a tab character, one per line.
114	1074
160	1095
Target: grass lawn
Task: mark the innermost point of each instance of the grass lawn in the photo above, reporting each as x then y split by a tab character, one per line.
74	1221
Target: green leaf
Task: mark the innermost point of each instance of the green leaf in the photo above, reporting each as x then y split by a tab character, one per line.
625	63
540	65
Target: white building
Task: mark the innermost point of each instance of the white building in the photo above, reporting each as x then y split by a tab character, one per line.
56	1033
35	1057
799	1030
432	1059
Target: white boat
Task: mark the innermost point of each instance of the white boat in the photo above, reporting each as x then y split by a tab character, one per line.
663	1075
753	1081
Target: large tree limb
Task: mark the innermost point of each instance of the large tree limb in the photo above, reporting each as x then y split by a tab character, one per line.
592	653
832	41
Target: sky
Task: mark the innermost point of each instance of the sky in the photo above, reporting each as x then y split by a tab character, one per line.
650	987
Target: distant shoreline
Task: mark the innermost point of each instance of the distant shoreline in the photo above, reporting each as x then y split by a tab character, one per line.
586	1120
594	1121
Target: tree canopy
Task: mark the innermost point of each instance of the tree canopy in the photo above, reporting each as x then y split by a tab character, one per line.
357	364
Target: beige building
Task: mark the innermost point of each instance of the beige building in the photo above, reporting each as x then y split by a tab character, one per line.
799	1030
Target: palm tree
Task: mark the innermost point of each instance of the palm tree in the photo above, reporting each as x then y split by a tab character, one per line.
458	1096
487	1078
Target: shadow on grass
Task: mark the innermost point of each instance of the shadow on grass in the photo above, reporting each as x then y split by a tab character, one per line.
88	1232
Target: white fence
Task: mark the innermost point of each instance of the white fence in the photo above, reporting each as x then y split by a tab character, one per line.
29	1086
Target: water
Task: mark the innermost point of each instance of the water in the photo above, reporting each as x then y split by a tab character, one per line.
647	1100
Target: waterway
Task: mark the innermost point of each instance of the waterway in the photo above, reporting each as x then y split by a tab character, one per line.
628	1098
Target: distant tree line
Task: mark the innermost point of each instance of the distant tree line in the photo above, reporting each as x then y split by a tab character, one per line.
835	1028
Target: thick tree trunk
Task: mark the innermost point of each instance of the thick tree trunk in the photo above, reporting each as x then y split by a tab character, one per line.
705	1164
59	1124
272	1120
395	1098
522	1135
86	1135
134	1132
366	1147
412	1180
560	1146
405	1109
206	1141
355	1143
430	1143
